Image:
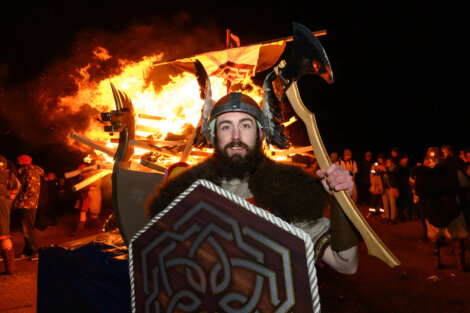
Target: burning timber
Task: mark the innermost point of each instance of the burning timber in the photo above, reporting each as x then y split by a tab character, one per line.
107	166
90	180
93	144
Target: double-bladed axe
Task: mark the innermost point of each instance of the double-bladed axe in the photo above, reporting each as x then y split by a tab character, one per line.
309	57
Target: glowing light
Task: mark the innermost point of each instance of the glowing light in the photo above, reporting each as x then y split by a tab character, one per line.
177	103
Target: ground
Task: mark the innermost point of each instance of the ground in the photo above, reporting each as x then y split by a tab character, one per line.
414	286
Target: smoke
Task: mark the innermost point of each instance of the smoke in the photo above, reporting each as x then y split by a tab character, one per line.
32	121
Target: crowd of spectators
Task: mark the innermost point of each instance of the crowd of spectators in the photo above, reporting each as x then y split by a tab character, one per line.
435	191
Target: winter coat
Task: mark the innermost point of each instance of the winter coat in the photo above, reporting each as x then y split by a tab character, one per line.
30	178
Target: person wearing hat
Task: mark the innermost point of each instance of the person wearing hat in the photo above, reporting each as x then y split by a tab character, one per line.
27	202
9	186
236	128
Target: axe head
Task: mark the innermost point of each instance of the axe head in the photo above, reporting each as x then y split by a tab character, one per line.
307	57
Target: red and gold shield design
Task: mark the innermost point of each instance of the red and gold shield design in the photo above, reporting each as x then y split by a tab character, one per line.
211	251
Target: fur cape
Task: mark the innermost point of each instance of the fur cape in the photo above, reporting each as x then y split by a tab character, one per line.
285	190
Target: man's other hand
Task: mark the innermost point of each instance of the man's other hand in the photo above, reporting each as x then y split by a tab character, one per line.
336	178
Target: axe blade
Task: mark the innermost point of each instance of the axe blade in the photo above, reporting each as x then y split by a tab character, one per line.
307	57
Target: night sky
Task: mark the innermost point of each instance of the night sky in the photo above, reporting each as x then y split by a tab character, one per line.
395	67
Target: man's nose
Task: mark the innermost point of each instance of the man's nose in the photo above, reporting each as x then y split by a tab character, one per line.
235	133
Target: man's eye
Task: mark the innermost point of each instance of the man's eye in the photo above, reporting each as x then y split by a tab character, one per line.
246	125
226	127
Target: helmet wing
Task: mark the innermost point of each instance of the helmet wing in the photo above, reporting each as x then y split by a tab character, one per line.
272	113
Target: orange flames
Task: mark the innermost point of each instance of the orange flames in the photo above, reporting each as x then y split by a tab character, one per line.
176	104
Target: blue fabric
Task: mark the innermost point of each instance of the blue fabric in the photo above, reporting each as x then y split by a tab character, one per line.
87	279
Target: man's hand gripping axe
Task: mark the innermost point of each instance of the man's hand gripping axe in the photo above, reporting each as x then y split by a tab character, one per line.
309	57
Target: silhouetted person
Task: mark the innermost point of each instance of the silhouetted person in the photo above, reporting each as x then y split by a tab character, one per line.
65	197
363	178
437	185
390	184
394	152
405	198
27	202
9	186
45	215
376	190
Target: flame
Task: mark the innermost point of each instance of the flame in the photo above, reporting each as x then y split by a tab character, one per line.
175	105
101	54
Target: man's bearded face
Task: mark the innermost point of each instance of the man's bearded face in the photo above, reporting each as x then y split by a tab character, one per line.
238	144
236	132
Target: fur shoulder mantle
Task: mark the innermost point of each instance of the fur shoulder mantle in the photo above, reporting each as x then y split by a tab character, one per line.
285	190
288	191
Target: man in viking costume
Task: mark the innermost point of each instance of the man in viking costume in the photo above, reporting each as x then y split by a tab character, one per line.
236	128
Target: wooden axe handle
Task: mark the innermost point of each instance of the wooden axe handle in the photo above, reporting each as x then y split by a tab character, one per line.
374	244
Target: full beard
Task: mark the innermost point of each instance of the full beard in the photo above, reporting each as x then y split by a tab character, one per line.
237	166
